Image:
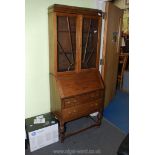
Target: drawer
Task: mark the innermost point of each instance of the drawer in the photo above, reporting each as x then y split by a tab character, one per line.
69	102
82	99
81	110
70	113
90	96
95	95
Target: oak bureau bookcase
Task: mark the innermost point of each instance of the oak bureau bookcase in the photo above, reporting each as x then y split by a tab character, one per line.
76	86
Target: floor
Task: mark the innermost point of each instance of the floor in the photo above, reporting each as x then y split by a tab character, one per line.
126	81
117	112
95	141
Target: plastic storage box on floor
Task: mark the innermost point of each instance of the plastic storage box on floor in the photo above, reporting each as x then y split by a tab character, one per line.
42	134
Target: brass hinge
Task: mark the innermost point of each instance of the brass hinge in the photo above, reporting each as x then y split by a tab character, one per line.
101	62
104	15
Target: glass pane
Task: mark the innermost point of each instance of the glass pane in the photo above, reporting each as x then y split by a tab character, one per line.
66	43
89	43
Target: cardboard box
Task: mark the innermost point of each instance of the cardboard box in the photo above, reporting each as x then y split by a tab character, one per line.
42	134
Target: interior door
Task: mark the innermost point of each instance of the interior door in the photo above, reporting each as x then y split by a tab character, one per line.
111	48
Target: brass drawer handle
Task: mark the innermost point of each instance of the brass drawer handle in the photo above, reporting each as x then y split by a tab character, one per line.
94	104
72	112
74	100
94	95
69	112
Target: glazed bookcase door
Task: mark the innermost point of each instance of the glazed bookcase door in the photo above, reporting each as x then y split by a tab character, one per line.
89	42
66	43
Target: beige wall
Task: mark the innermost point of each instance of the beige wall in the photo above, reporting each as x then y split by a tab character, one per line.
37	98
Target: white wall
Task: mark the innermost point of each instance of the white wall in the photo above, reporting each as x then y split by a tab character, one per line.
36	44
